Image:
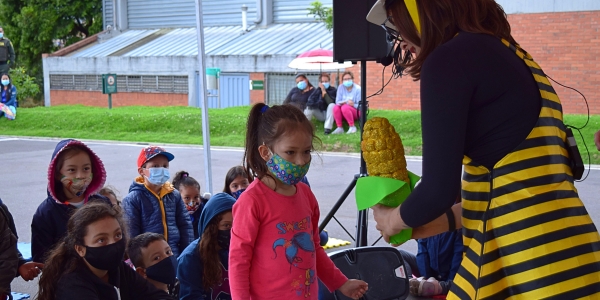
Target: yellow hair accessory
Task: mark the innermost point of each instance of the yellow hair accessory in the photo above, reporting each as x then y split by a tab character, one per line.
414	13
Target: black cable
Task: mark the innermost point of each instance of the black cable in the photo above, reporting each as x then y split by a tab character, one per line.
579	128
584	99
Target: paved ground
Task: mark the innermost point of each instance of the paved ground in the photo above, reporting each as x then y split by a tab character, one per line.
26	161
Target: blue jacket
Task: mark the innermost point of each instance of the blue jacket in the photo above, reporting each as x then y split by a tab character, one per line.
11	98
190	270
440	256
49	222
165	214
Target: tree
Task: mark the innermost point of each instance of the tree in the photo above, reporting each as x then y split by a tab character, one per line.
34	25
322	13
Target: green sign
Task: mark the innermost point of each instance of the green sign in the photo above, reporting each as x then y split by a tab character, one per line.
109	84
257	85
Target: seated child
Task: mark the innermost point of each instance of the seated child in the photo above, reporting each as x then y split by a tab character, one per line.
75	175
204	264
438	260
109	192
189	189
153	259
88	262
154	205
236	181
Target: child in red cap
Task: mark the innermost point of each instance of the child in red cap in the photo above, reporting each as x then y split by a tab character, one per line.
153	204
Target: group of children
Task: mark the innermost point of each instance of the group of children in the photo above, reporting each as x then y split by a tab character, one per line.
165	241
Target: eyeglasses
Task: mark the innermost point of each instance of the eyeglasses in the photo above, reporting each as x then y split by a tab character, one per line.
391	32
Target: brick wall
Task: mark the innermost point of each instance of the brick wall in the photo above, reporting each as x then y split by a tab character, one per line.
257	96
59	97
566	45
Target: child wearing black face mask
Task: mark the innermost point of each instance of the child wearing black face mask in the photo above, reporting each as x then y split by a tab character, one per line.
153	259
204	264
88	262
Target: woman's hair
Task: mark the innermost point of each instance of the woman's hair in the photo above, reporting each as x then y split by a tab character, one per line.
324	75
63	258
209	253
305	78
183	178
348	73
265	126
441	20
232	174
65	154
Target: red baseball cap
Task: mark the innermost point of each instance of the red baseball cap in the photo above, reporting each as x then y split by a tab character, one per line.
151	151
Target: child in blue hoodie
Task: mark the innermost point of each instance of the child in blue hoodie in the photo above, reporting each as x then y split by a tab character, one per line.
204	264
75	174
154	205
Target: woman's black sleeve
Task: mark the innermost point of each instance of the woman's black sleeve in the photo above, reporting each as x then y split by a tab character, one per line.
446	92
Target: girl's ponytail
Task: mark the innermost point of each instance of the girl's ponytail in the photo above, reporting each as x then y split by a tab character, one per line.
184	178
252	159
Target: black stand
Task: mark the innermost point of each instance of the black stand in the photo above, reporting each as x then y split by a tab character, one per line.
362	221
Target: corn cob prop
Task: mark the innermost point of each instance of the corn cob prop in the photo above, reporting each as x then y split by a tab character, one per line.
389	182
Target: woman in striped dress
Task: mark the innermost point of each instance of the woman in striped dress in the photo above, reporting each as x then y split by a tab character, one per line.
486	104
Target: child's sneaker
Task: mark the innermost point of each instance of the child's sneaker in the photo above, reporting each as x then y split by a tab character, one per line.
421	287
338	130
352	129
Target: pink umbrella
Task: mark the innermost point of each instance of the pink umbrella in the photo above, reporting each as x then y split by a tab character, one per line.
318	59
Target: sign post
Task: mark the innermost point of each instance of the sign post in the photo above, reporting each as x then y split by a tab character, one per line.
109	86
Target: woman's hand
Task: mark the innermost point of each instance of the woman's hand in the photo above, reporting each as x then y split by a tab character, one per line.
388	220
350	102
354	288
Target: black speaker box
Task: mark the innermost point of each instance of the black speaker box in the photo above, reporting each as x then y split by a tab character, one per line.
381	267
355	39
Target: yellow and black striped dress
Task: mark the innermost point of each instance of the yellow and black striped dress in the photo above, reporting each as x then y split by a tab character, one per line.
527	234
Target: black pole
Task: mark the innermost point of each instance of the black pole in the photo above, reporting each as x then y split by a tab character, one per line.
363	215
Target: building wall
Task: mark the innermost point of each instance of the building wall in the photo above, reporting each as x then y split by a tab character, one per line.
565	44
87	98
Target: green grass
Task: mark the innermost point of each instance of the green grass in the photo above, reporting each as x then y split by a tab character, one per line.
182	125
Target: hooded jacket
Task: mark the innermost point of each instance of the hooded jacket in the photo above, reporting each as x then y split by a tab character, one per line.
164	214
49	222
190	269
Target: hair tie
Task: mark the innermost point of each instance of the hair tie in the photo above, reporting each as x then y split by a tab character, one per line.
264	109
184	175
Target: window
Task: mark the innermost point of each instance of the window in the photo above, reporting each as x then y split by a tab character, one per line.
125	83
278	85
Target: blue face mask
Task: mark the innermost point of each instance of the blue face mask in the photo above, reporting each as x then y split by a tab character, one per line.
1	35
158	176
326	85
237	194
301	85
348	83
5	82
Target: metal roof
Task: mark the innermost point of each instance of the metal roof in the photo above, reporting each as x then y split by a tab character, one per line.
279	39
182	42
114	44
276	39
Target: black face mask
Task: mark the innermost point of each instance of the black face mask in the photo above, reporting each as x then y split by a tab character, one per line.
107	257
164	271
224	238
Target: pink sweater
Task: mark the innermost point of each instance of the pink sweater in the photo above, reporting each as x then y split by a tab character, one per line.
275	251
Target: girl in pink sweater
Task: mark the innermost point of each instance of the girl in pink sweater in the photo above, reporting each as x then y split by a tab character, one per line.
275	251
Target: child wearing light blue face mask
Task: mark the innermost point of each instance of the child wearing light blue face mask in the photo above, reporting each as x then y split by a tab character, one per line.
154	205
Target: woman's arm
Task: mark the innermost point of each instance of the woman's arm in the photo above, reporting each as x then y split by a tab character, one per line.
439	225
